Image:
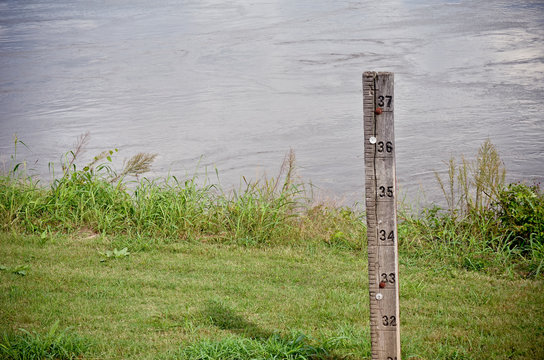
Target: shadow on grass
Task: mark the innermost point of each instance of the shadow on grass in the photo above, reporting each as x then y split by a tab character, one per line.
251	341
225	318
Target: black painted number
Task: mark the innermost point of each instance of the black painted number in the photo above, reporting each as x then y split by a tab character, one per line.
389	321
388	278
384	236
382	100
385	191
387	146
391	358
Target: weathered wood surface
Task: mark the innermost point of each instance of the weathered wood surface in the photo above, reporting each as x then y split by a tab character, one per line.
381	208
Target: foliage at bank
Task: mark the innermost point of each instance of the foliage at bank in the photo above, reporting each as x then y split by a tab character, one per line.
487	225
188	270
101	200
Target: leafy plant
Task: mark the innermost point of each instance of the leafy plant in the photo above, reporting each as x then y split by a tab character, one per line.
17	270
487	226
116	254
521	212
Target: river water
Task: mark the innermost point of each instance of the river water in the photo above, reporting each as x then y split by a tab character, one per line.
233	86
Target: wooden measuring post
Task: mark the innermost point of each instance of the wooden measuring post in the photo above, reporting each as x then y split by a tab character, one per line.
381	212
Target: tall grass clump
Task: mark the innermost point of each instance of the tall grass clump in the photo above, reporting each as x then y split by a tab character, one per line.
99	198
170	208
487	223
473	186
55	344
262	210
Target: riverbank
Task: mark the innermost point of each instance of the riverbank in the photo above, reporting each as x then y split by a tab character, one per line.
488	225
171	269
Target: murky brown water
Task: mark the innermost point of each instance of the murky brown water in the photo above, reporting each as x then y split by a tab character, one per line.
239	84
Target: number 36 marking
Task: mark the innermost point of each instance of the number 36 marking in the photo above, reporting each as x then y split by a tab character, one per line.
387	146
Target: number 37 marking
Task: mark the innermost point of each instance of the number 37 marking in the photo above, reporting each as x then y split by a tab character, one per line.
382	100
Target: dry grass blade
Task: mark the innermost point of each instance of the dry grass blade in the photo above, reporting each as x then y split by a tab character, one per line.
79	147
489	175
289	163
288	169
449	193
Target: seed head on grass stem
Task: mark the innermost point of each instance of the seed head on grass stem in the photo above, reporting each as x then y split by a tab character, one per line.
79	147
136	165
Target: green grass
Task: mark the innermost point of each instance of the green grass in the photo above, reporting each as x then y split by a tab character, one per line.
294	347
96	265
178	300
54	344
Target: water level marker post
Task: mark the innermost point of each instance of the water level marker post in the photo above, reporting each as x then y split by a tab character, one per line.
381	213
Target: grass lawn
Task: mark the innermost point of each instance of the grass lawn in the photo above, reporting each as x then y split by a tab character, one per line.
178	300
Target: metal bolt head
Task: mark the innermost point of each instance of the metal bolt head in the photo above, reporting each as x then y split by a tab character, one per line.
382	284
378	111
379	296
